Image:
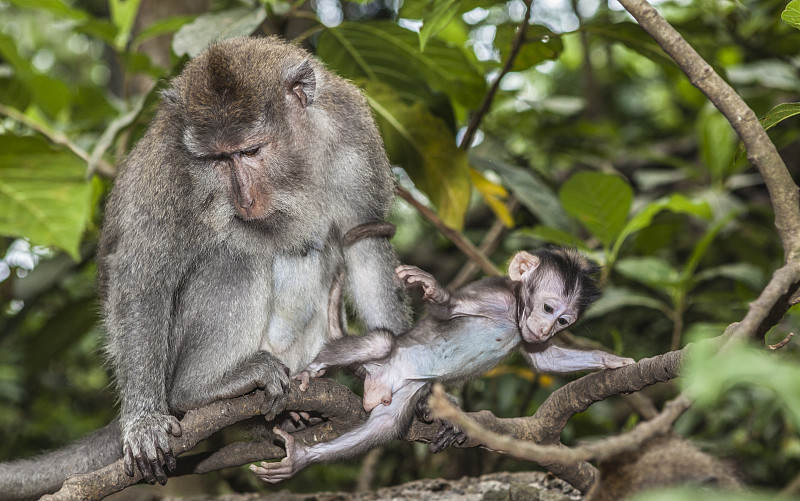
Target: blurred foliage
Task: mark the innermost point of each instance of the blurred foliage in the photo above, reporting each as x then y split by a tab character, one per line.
597	135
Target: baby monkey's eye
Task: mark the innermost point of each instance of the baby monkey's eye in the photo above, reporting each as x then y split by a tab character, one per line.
251	151
548	308
562	321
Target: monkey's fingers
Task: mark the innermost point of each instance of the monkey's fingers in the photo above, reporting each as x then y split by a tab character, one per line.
615	362
447	435
144	466
274	472
305	379
157	466
288	440
129	461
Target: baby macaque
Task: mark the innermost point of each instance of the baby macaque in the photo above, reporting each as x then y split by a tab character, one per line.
464	335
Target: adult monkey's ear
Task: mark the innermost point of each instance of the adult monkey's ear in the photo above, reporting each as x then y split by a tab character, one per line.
301	82
522	263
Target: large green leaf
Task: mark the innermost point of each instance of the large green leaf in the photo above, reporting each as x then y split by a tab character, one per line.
381	51
651	271
44	195
58	8
426	148
599	201
676	203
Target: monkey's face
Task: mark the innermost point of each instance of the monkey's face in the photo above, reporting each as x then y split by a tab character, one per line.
549	296
547	309
245	175
243	106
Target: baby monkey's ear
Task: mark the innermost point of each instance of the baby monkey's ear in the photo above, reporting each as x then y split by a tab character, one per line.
522	263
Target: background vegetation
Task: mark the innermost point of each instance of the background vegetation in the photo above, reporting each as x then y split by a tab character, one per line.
594	139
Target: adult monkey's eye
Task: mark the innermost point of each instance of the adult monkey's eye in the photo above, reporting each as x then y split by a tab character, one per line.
251	151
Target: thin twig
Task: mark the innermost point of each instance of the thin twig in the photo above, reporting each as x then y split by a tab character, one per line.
488	245
778	346
660	424
516	46
454	236
102	167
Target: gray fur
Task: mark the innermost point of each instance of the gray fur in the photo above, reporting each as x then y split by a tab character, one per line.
464	335
222	238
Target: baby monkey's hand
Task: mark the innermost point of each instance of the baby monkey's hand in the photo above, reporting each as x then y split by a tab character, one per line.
415	277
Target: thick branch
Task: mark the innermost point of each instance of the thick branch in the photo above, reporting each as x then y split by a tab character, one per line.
325	396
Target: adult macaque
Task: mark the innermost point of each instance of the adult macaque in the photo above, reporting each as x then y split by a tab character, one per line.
464	335
222	237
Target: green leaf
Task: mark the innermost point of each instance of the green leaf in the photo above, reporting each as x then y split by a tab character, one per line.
123	14
553	236
617	298
701	247
745	273
651	271
14	93
57	8
791	14
599	201
717	142
779	113
119	123
531	191
49	94
381	51
709	377
44	195
425	147
161	27
632	36
540	45
676	203
193	38
442	14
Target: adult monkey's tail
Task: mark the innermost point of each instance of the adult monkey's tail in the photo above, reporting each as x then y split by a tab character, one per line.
34	477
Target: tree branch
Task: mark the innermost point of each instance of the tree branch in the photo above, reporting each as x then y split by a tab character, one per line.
516	46
760	150
326	396
100	166
454	236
